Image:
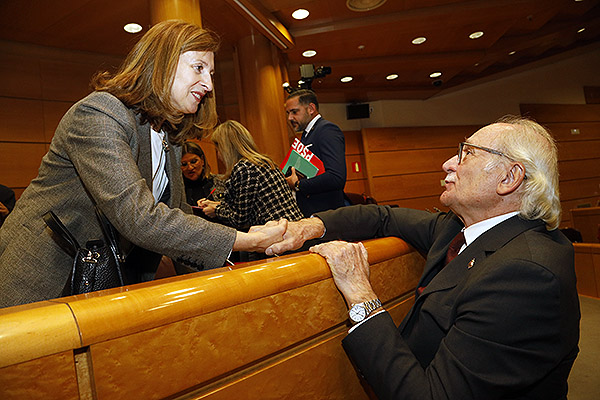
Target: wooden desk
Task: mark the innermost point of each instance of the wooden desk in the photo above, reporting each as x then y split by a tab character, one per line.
267	329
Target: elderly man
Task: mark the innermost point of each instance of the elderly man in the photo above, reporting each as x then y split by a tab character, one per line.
499	321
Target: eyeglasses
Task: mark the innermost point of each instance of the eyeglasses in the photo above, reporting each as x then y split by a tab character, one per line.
464	146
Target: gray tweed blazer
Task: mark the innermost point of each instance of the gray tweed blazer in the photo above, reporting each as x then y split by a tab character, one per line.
100	154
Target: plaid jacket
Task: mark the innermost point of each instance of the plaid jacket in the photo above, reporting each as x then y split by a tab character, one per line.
256	195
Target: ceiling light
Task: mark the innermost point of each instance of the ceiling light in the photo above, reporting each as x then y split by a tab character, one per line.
419	40
132	28
512	53
581	30
476	35
346	79
300	13
361	46
391	77
309	53
435	74
364	5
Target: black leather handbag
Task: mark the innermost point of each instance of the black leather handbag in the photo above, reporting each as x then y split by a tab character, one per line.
96	266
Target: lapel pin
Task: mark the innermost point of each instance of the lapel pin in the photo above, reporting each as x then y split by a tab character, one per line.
471	263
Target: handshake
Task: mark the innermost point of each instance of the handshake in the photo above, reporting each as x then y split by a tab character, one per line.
277	237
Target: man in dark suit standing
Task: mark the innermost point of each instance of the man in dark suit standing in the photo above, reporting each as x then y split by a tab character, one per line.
499	318
326	141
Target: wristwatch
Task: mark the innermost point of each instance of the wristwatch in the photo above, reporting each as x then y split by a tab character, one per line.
358	312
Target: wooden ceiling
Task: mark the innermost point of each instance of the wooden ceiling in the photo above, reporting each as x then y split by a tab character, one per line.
366	45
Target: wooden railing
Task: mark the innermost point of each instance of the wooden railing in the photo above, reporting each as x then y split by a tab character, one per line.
272	327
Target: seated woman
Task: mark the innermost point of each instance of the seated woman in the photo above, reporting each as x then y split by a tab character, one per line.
199	182
256	189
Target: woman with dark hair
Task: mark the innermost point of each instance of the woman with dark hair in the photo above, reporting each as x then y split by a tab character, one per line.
199	182
256	188
119	149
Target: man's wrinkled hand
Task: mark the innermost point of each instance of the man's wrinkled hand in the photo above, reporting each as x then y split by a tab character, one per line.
350	269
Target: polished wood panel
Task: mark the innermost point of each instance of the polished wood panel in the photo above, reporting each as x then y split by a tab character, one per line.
587	221
32	331
217	333
549	113
46	378
20	162
22	120
53	113
587	268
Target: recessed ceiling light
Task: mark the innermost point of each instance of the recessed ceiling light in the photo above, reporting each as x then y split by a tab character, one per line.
309	53
300	13
581	30
435	74
391	77
512	53
346	79
476	35
132	28
361	46
419	40
364	5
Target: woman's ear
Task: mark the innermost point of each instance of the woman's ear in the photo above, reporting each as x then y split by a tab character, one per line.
512	180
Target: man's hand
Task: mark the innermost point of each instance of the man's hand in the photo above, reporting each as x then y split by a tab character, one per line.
296	234
261	238
292	179
3	211
350	269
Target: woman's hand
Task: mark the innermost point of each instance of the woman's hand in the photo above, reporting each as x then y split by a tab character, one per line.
260	239
208	207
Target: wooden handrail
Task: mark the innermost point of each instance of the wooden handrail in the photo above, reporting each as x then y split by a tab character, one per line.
91	325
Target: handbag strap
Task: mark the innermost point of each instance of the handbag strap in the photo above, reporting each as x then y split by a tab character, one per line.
110	235
58	228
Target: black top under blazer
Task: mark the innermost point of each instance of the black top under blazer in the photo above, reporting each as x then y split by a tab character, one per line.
506	328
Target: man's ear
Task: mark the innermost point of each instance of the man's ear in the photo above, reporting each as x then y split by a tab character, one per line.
312	109
512	180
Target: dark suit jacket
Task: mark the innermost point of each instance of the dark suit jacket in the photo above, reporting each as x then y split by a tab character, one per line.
506	328
325	191
100	154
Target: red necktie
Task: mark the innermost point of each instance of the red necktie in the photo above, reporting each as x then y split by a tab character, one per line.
454	248
452	252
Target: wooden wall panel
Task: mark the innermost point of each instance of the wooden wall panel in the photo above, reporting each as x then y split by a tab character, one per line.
548	113
53	113
353	143
387	163
576	128
579	150
394	188
587	221
19	76
578	169
19	162
22	120
563	131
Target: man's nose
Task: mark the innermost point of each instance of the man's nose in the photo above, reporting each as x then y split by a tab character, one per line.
450	164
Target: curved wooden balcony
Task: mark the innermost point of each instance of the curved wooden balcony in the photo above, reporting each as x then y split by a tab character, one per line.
268	329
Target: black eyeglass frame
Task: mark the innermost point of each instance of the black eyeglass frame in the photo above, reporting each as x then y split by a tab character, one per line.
487	149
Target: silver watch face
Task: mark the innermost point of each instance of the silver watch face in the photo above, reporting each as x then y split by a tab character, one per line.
357	312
